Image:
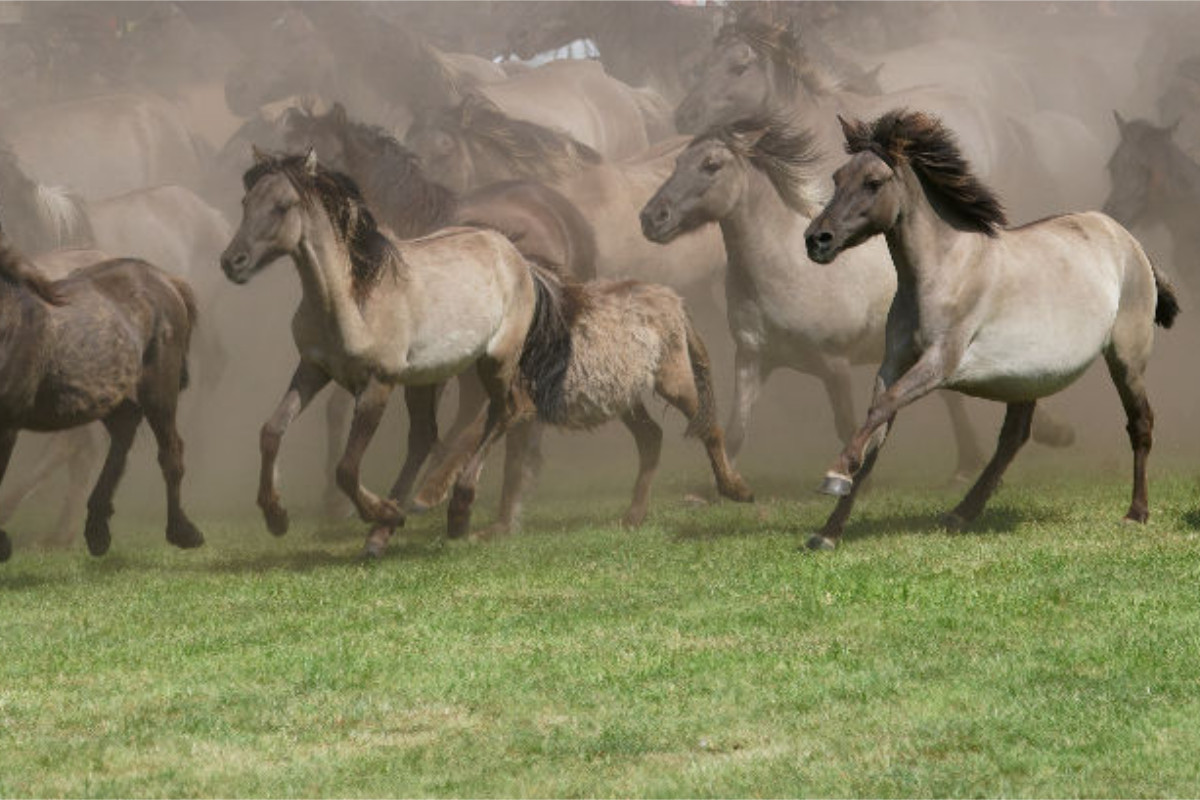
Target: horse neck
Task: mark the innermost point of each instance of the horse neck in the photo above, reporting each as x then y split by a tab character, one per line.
759	227
921	241
412	205
323	263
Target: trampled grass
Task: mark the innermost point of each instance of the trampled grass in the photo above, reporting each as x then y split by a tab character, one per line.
1051	651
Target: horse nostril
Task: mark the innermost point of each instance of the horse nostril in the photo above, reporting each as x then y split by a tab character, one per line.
662	215
824	237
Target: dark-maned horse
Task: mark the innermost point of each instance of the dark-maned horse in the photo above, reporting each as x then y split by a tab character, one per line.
1007	314
1154	181
109	343
545	226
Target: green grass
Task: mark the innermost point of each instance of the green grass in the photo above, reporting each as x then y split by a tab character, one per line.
1051	651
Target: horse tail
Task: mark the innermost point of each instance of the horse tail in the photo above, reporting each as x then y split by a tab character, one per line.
188	295
547	351
706	410
1166	308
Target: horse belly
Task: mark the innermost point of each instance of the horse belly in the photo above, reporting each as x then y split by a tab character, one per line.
1025	362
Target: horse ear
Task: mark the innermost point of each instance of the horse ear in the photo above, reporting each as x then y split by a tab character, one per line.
850	129
1121	123
259	156
310	162
338	113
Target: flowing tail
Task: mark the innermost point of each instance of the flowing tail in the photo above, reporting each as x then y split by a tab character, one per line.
547	351
1167	306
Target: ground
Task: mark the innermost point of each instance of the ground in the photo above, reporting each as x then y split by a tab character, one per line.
1050	651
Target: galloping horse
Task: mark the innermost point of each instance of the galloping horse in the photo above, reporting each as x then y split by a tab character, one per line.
756	179
377	311
1011	315
109	343
1154	180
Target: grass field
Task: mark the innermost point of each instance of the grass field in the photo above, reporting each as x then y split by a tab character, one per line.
1051	651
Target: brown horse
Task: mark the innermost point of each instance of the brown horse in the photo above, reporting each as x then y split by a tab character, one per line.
109	343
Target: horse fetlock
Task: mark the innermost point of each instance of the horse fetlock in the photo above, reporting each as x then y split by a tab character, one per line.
633	518
5	547
275	515
836	484
183	534
1137	514
820	542
458	516
97	534
736	489
382	511
377	542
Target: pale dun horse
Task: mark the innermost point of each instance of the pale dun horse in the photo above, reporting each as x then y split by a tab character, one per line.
1011	315
376	312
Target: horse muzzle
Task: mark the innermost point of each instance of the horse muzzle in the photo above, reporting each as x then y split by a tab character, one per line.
821	247
237	267
659	224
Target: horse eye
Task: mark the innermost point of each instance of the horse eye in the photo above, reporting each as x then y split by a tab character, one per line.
739	69
874	184
282	207
711	167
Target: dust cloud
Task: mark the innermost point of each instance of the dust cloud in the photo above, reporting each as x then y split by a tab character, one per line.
1049	73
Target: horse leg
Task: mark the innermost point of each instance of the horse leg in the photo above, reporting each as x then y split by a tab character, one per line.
464	432
519	465
1014	433
82	464
54	455
1051	430
749	376
648	435
337	422
421	402
834	374
679	383
369	406
920	379
122	424
160	406
307	380
1126	371
501	412
970	456
8	440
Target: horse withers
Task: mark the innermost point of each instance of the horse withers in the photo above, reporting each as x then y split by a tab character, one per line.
1007	314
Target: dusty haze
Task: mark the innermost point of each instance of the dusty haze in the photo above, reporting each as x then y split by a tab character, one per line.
1037	60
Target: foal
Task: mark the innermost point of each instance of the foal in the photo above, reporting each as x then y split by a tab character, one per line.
1011	315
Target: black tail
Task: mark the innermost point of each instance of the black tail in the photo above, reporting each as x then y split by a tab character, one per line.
1167	306
547	351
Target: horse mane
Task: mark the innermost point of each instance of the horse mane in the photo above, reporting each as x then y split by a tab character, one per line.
40	217
371	252
778	45
930	148
782	150
16	270
530	150
388	172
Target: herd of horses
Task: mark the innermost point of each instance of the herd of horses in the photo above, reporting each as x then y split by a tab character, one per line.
532	239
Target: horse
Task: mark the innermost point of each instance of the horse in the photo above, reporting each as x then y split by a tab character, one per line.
758	67
620	340
108	343
1007	314
755	179
144	139
1155	181
476	144
377	311
164	225
544	225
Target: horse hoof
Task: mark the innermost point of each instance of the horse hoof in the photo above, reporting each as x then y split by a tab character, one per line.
5	547
836	485
631	521
98	537
390	514
952	521
277	520
739	493
185	535
819	542
1133	517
